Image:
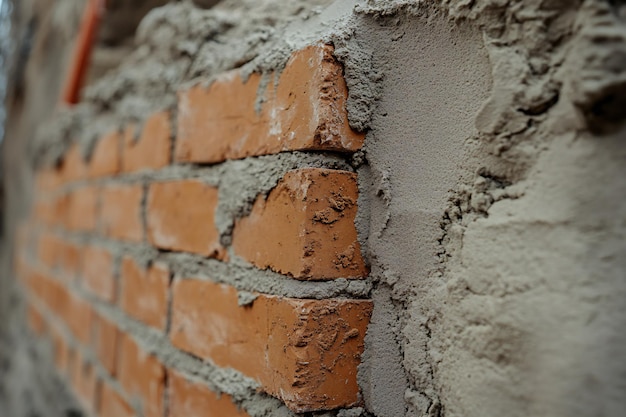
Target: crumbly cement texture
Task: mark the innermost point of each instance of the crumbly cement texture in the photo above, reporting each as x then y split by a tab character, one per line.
492	184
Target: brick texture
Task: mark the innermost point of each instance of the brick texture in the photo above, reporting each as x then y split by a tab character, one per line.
105	342
144	292
98	272
305	352
106	158
124	271
112	404
305	112
189	399
181	217
142	377
152	150
120	213
305	228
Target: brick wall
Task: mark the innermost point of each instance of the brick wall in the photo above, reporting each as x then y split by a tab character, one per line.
153	306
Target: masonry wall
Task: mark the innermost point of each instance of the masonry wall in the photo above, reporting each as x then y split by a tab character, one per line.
355	208
145	294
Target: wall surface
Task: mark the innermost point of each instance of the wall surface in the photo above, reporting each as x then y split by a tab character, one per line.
490	211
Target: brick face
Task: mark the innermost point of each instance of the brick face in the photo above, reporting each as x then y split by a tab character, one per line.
189	399
181	217
144	292
112	404
83	209
98	272
305	112
94	257
120	214
105	342
106	160
141	376
152	150
305	228
305	352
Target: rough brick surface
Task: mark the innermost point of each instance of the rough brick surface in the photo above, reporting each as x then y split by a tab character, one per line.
120	212
305	112
181	217
74	166
98	272
105	342
144	292
112	404
78	316
106	158
305	228
305	352
61	351
141	376
188	398
84	381
152	149
83	209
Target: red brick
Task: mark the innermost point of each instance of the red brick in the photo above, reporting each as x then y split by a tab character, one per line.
48	179
305	112
152	150
74	166
105	342
144	292
84	380
106	158
52	211
120	212
78	316
112	404
305	352
142	376
98	272
61	352
189	399
181	217
57	254
36	322
83	209
305	228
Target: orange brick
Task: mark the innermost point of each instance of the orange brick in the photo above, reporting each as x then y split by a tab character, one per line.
55	254
74	166
83	209
98	272
83	378
48	179
61	352
105	159
36	322
305	228
306	111
305	352
52	211
120	213
105	341
181	217
112	404
78	316
189	398
153	148
142	376
144	292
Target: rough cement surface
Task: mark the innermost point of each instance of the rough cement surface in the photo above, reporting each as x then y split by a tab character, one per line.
494	210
